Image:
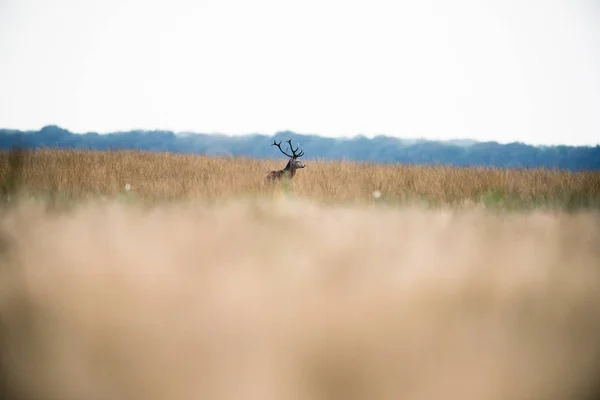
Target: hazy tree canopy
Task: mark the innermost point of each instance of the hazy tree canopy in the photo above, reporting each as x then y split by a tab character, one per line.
381	149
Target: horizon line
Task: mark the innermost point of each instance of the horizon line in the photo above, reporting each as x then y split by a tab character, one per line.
343	137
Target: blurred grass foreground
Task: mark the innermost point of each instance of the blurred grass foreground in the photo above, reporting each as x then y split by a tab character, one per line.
255	296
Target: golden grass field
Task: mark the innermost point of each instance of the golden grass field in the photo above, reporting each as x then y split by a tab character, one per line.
73	174
298	292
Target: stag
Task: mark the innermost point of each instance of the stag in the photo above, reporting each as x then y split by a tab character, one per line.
293	164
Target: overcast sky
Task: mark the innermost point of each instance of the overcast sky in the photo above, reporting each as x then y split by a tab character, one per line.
505	70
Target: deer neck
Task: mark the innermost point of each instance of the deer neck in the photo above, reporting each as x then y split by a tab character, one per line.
290	168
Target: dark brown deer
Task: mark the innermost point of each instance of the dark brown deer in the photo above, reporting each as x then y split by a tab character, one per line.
293	164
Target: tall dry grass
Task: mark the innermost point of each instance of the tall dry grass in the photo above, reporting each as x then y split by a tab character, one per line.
76	174
294	300
252	296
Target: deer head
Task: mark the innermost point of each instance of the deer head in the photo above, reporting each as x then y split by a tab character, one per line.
294	163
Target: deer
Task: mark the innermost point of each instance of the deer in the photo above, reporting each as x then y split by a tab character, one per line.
293	164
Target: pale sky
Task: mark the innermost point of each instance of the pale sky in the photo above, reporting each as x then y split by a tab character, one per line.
505	70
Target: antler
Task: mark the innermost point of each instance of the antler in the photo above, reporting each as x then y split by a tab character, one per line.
294	154
279	146
294	151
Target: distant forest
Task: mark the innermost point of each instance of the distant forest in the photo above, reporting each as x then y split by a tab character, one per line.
381	149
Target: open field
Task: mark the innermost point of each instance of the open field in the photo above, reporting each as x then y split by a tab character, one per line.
303	295
73	175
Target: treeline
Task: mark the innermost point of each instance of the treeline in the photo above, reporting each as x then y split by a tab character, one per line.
381	149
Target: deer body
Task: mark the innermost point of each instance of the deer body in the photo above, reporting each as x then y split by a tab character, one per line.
293	164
